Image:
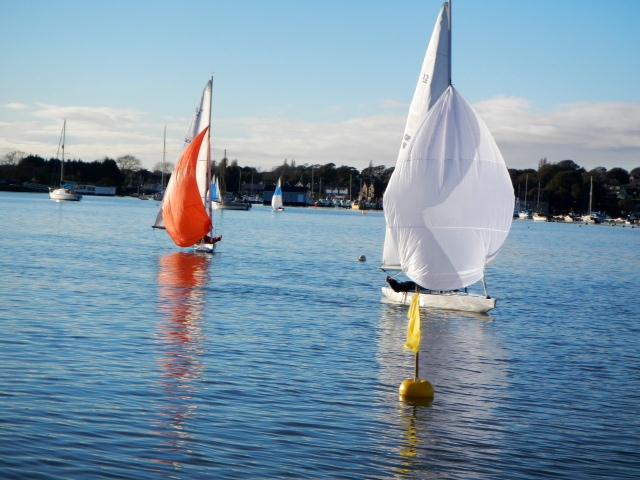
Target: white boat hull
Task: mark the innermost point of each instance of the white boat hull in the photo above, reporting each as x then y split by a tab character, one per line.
447	301
204	247
230	206
62	194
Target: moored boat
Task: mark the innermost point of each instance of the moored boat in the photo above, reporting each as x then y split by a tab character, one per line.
65	192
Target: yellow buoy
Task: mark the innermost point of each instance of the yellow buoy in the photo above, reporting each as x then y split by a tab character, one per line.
415	389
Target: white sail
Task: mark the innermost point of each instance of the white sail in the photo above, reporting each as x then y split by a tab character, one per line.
200	121
213	190
449	203
433	80
276	199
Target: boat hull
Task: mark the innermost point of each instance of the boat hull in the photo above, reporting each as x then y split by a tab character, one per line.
64	195
447	301
204	247
231	205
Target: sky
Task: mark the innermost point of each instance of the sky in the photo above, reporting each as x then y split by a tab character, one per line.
316	81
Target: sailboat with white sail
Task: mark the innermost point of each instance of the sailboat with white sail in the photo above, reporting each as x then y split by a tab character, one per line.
276	199
539	216
65	192
590	217
449	203
186	211
524	214
214	191
227	200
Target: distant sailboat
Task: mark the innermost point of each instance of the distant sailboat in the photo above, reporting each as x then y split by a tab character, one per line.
590	217
185	211
537	216
449	203
227	200
214	191
524	213
276	199
64	192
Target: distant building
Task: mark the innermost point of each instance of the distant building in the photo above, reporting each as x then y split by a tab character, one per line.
95	190
291	196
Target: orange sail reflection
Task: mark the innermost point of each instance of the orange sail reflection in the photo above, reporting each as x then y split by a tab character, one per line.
181	281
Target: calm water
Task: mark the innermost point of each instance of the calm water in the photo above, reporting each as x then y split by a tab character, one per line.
124	358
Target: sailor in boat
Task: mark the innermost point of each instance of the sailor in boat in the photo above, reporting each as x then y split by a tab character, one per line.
407	286
410	286
211	240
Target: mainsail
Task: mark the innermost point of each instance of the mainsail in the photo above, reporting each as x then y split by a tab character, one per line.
276	199
449	203
433	80
202	120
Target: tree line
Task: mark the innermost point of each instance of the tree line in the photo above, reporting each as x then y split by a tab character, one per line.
563	186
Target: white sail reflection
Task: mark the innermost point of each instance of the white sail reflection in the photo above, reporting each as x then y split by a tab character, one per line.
465	363
181	300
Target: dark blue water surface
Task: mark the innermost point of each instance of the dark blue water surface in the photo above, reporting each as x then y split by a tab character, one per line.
123	357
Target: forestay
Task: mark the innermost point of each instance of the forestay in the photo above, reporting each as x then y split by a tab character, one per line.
449	203
433	80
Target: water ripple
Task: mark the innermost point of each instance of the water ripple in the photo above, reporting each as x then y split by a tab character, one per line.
123	358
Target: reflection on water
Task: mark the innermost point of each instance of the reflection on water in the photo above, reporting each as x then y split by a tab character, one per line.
125	374
181	281
460	356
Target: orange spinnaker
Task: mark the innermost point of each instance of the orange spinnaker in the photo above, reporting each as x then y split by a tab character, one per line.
183	212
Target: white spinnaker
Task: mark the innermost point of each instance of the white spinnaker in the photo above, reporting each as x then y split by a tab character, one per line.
276	199
449	203
433	80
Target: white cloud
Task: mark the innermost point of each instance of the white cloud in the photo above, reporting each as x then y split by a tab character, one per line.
16	106
592	134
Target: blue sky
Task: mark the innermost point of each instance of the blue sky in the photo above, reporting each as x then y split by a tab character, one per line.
317	81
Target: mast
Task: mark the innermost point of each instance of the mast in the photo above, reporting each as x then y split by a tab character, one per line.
164	156
590	193
450	45
538	202
208	187
64	133
526	186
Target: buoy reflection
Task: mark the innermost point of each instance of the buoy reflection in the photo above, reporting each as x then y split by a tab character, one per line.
461	356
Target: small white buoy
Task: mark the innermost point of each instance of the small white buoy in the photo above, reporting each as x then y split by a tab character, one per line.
362	258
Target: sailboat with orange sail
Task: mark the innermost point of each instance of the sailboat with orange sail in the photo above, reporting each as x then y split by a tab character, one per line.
186	211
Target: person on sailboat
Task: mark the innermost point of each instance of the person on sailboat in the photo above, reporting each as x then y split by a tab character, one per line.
407	286
410	286
211	240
